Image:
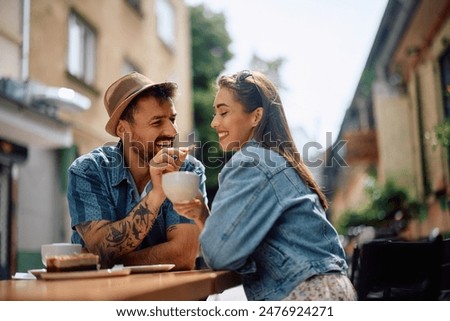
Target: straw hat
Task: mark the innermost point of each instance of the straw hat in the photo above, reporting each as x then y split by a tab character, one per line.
121	92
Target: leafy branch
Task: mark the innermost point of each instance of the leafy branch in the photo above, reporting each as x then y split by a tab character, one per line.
442	131
388	203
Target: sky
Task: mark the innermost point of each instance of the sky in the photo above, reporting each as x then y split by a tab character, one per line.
324	43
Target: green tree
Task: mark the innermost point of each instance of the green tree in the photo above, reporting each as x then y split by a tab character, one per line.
210	52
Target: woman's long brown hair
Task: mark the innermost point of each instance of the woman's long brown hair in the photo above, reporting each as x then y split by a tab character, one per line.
253	89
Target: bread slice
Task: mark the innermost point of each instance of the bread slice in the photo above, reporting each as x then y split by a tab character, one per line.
75	262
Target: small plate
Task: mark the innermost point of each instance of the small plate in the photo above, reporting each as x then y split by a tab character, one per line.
43	274
150	268
23	276
37	272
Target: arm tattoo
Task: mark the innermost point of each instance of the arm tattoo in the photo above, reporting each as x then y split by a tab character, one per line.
122	236
142	210
130	234
116	236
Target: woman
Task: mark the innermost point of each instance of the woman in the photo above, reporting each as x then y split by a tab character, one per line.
267	220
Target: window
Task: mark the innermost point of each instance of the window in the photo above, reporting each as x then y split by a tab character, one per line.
444	64
81	50
445	72
165	17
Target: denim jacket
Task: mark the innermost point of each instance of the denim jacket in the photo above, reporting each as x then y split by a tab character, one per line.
267	225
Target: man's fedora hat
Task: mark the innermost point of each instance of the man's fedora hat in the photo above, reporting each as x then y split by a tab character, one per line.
121	93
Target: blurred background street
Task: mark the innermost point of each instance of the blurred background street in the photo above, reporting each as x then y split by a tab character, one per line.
366	85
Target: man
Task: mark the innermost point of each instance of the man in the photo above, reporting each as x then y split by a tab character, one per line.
116	202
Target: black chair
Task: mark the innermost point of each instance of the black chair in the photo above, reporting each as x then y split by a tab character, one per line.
398	270
445	271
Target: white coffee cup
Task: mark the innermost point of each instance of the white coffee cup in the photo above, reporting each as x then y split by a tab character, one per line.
54	249
180	186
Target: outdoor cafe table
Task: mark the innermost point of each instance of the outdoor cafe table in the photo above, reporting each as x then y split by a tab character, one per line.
163	286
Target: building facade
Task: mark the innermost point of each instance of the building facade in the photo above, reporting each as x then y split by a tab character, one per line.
56	60
392	125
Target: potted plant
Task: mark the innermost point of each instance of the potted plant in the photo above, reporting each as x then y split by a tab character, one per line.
442	131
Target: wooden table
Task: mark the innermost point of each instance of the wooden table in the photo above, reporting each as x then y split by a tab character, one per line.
165	286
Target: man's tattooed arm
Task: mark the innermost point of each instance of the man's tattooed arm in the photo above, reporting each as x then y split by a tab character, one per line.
112	240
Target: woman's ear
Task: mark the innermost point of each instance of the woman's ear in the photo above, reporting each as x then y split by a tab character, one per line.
258	115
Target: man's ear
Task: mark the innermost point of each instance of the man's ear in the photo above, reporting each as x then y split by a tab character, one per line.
258	115
120	129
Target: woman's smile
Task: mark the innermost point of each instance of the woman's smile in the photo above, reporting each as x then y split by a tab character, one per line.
222	134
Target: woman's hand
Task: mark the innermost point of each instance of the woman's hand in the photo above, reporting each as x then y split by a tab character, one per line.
194	209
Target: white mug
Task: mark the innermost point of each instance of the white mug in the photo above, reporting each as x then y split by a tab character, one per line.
180	186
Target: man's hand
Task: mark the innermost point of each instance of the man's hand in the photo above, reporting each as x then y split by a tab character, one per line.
165	161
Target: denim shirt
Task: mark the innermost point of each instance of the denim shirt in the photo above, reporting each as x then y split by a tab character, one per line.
267	225
101	187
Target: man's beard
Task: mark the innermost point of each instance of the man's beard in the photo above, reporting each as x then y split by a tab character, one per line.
147	150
